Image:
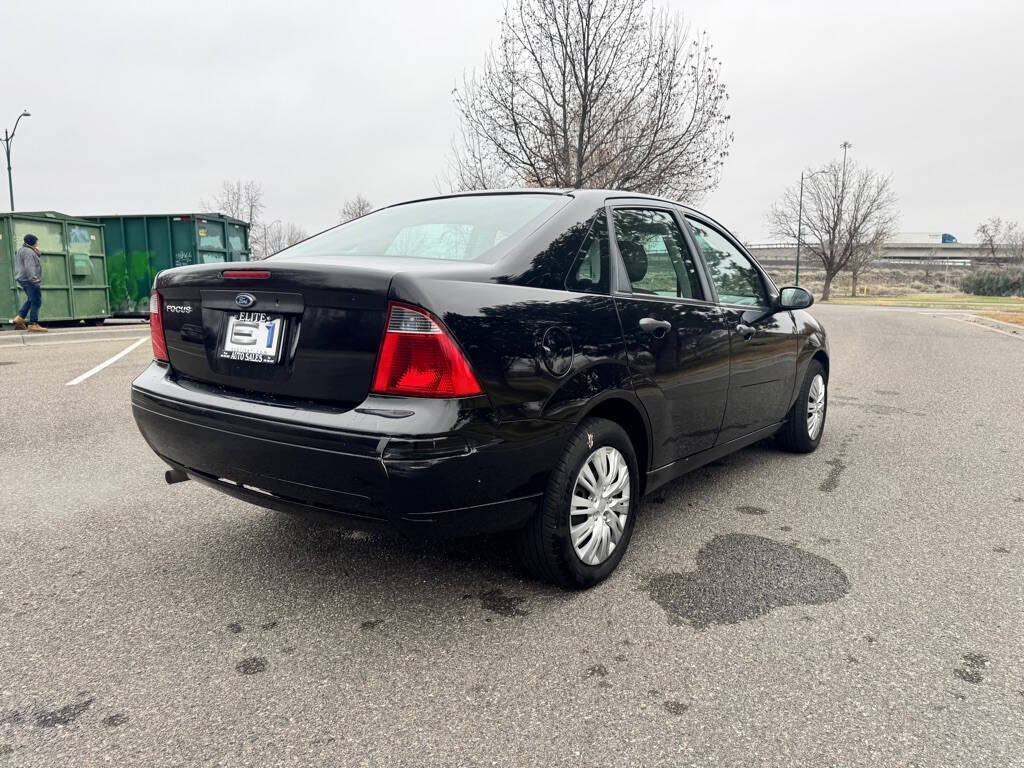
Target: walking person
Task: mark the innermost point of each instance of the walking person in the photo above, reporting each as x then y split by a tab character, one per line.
28	271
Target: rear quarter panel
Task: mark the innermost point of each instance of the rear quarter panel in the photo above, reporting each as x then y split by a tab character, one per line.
538	352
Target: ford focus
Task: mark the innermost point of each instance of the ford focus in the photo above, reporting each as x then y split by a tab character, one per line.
531	361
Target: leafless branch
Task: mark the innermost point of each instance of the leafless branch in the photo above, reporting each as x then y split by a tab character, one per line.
593	93
354	208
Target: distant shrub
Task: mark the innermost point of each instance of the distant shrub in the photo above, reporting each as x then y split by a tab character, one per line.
995	281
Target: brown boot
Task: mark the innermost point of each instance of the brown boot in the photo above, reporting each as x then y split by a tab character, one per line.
37	328
19	323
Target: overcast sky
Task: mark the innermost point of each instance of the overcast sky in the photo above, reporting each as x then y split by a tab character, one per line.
146	107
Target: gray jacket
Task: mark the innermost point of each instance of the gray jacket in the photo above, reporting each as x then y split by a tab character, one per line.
27	268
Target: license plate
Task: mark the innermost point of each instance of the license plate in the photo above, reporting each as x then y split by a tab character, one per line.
254	337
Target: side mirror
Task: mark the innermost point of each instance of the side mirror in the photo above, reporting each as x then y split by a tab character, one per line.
794	297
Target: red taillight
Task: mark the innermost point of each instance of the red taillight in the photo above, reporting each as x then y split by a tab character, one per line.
246	274
156	327
419	358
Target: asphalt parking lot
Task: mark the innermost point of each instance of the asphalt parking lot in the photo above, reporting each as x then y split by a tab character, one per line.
859	606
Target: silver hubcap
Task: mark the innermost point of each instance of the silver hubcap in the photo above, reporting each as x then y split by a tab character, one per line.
600	505
816	407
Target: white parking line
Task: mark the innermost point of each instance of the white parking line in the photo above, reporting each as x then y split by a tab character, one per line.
105	363
109	328
23	342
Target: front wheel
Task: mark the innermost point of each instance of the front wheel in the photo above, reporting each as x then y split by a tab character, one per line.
805	422
582	530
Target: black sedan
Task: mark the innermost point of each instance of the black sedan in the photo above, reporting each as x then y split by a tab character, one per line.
532	360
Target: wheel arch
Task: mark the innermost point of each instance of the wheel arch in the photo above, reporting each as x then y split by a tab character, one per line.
630	417
822	357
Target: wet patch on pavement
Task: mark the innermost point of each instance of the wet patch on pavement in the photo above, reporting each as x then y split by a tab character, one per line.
676	707
745	510
831	481
112	721
63	716
371	624
741	577
235	628
876	409
973	664
498	602
252	666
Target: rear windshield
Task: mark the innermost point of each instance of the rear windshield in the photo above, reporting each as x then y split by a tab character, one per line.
451	228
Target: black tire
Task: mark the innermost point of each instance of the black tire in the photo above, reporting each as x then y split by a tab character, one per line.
794	436
95	321
544	544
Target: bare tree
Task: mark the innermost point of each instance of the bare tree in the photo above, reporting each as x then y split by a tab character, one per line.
244	200
848	213
997	237
593	93
864	256
354	208
238	199
278	235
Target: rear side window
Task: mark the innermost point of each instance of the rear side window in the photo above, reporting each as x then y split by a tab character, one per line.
449	229
590	273
655	254
736	279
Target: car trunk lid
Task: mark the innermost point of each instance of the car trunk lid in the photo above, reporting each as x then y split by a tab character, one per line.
315	329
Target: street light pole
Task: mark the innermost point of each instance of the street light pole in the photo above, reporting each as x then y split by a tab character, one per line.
800	223
800	220
8	138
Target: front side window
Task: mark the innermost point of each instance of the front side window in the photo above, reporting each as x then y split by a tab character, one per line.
736	279
464	228
655	254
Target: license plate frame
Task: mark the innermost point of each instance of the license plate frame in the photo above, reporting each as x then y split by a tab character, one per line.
253	337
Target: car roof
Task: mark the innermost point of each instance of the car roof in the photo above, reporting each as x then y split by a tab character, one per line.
595	195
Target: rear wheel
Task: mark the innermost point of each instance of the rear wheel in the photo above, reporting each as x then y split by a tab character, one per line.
805	422
582	530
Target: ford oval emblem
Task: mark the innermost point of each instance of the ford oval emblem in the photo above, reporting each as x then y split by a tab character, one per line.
245	300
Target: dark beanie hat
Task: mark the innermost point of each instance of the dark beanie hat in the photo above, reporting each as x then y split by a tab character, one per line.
31	239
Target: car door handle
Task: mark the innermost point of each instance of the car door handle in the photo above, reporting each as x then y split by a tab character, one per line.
657	328
745	331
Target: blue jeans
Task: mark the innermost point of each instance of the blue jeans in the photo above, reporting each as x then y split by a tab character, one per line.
30	309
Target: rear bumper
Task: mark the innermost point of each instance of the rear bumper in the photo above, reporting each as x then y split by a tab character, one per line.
423	467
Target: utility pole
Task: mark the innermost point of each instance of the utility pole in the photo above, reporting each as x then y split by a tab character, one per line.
8	138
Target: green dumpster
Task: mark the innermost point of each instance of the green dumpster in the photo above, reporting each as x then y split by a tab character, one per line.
74	280
137	247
